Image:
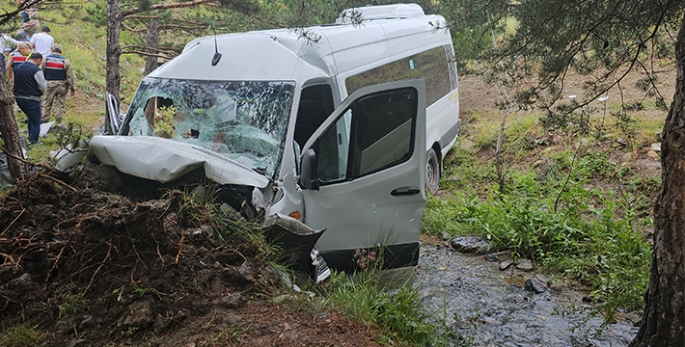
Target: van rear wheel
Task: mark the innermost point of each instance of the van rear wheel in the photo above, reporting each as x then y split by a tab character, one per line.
432	172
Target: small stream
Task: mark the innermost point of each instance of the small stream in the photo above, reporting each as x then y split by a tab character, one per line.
483	306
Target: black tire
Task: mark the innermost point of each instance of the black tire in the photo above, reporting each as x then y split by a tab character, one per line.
432	172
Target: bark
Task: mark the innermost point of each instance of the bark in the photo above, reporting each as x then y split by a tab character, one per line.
113	76
10	133
663	323
152	39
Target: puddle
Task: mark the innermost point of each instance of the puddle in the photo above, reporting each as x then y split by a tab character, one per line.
484	306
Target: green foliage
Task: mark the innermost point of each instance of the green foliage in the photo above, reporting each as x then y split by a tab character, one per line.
22	335
589	228
365	299
71	304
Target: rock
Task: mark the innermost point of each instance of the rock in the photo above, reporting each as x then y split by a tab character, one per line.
470	244
284	298
86	322
492	257
627	157
140	314
21	284
656	147
444	236
63	327
247	272
505	264
537	284
524	265
234	300
634	318
58	128
653	154
621	141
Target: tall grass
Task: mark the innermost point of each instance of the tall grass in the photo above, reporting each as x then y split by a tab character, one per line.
580	214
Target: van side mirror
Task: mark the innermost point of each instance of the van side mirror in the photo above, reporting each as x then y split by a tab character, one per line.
309	178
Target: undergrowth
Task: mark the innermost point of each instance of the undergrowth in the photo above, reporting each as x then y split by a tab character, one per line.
572	209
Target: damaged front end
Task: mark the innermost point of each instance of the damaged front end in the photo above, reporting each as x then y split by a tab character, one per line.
228	134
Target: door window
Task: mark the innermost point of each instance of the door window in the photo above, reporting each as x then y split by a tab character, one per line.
374	133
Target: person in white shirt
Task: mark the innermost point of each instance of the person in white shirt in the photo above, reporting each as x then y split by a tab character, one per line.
43	42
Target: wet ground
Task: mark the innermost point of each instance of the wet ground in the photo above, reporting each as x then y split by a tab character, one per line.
483	306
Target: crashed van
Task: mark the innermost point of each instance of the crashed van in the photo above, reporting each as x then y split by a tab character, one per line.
334	128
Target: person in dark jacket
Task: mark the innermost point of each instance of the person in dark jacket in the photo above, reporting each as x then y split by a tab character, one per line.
29	85
60	77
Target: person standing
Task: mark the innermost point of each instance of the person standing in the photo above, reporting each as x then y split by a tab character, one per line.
60	78
29	85
17	56
43	42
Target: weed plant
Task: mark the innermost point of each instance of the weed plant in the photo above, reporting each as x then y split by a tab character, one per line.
71	304
22	335
365	298
583	219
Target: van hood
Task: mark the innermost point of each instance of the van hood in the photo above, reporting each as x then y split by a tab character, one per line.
165	160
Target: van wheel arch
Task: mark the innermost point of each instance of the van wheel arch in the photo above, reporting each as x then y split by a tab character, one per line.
433	170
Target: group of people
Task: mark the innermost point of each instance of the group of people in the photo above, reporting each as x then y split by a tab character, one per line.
41	77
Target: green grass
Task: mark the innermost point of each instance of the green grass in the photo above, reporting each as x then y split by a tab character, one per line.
366	299
22	335
583	219
71	304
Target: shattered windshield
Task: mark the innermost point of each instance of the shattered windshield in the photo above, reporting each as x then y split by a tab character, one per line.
243	120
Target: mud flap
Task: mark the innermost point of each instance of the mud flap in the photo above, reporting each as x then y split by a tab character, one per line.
297	241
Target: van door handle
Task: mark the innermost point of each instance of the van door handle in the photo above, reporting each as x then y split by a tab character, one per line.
405	191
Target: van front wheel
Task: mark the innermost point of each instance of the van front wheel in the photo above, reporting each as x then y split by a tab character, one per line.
432	172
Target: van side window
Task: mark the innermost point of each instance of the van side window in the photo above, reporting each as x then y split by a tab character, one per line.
374	133
432	65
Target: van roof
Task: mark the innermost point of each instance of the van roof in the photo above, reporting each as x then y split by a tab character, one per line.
311	52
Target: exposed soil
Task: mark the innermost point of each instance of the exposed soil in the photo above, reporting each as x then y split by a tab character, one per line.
149	277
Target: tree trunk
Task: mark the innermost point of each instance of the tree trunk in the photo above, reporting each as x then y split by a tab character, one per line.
113	78
152	39
663	323
10	133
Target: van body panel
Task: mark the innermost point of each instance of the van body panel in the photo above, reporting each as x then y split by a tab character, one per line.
375	210
165	160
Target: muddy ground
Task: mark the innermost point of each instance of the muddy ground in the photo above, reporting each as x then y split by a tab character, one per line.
87	267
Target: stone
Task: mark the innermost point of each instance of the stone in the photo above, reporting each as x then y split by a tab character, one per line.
524	265
656	147
621	141
234	300
139	314
473	244
537	284
653	154
492	257
627	157
445	236
247	272
86	322
505	264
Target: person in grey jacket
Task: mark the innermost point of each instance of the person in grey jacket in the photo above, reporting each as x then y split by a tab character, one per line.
29	85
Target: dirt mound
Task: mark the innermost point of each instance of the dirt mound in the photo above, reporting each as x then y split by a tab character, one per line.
89	268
